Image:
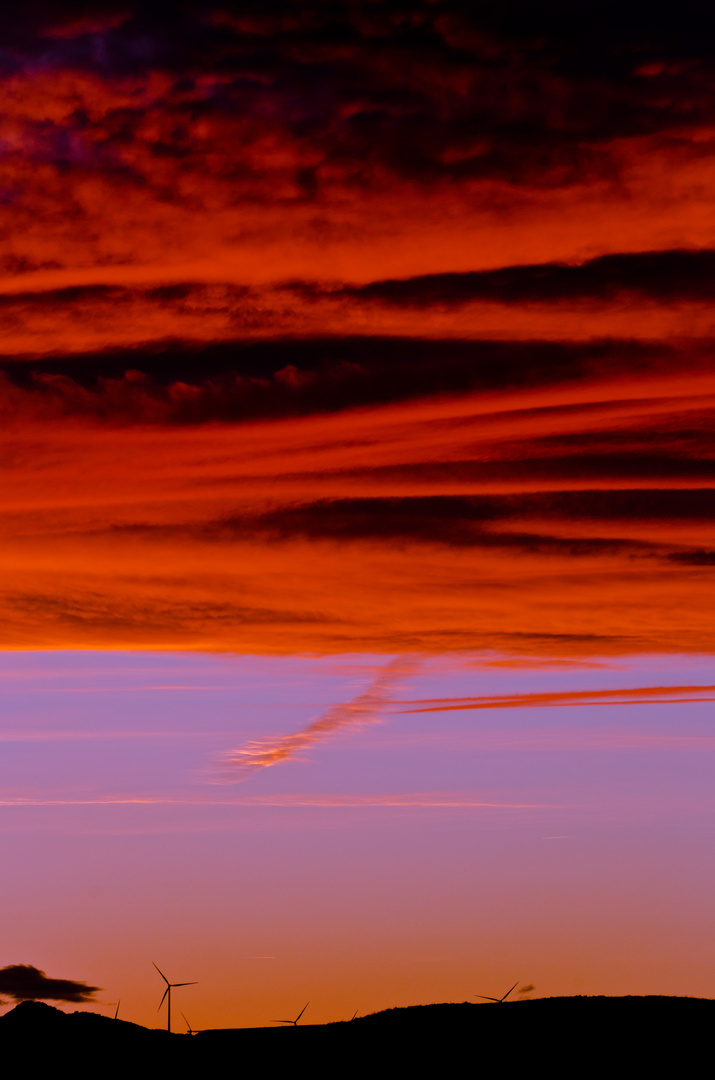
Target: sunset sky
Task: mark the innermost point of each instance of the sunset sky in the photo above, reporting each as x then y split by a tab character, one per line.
357	387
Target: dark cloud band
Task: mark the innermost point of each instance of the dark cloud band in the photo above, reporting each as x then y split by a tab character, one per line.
663	276
23	982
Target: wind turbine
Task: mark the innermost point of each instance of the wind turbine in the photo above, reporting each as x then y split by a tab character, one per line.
501	999
294	1022
167	995
191	1030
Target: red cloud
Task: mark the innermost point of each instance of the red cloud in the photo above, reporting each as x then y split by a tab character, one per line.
365	529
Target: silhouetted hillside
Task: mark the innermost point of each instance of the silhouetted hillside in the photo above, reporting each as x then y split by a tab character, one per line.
42	1038
563	1037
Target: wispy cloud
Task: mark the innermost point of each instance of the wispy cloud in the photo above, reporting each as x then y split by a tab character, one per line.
454	800
457	800
651	695
363	709
64	736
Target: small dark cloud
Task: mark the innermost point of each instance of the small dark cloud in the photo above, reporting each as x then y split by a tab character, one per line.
23	982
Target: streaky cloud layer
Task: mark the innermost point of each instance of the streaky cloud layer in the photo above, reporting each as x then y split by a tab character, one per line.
571	512
357	327
638	296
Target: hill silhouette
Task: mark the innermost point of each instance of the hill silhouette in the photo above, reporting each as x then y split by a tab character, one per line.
584	1036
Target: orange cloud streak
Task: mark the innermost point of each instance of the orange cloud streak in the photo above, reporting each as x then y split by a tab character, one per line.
639	695
363	709
333	801
239	536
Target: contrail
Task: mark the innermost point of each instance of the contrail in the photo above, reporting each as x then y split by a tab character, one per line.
642	695
363	709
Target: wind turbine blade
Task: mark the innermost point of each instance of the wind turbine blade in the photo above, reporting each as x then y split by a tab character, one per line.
302	1011
509	991
185	1021
162	1000
185	984
162	974
483	997
116	1011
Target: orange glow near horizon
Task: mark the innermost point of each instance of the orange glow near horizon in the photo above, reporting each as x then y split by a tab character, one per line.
389	863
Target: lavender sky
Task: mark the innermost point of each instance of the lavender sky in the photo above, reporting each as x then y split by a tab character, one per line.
428	855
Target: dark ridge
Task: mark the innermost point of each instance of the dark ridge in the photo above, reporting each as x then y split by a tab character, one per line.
561	1037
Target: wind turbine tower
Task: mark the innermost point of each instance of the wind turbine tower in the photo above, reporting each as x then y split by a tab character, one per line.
167	994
